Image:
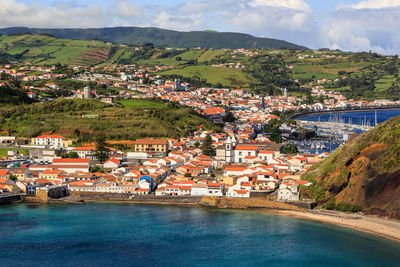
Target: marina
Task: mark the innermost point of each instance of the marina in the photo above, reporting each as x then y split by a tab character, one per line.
334	129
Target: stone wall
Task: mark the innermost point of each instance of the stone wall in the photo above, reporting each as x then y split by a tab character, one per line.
10	199
136	198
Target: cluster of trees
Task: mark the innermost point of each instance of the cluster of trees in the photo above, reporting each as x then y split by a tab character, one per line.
272	74
207	147
13	95
272	129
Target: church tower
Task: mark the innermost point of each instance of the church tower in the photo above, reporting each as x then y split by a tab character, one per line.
228	150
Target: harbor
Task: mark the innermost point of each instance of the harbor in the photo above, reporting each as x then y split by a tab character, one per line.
335	129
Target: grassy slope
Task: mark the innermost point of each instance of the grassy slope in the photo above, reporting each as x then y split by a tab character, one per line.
41	49
137	119
214	75
210	55
365	171
315	69
4	151
171	61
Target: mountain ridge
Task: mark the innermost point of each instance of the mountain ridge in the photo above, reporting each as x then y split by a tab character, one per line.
160	37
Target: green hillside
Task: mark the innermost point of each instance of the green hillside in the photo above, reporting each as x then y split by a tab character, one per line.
363	173
214	75
161	37
46	50
82	119
356	75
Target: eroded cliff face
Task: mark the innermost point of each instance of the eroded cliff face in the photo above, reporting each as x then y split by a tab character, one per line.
364	172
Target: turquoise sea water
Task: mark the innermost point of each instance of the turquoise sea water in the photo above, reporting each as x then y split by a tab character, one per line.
141	235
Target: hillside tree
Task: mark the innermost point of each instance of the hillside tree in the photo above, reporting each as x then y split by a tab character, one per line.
101	152
207	147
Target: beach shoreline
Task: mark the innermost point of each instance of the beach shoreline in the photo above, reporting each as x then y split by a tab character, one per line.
371	224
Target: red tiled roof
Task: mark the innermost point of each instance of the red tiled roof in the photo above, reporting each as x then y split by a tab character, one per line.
71	161
241	191
253	148
151	142
49	171
51	136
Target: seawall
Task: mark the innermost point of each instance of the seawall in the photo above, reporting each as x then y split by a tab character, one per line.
145	199
11	199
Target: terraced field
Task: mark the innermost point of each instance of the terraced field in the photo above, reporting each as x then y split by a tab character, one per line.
40	49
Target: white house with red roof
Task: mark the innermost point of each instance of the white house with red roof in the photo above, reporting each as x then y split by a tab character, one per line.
72	165
237	193
112	164
241	151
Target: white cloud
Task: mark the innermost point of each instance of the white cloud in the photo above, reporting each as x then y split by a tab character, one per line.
177	22
375	4
128	10
291	4
363	30
14	13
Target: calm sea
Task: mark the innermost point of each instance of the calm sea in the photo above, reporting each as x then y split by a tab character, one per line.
359	117
140	235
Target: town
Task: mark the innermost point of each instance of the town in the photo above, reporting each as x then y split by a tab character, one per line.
242	162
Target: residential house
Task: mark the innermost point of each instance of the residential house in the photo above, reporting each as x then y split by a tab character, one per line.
153	147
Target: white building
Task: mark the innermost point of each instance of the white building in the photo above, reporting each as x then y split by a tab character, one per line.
72	165
199	190
241	151
288	192
53	141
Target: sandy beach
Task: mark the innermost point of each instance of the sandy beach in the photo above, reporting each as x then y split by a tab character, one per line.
366	223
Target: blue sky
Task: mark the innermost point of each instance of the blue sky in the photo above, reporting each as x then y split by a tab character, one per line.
352	25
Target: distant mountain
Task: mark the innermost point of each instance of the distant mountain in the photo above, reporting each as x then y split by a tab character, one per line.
364	173
161	37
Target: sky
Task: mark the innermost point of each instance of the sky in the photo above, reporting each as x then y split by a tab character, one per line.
353	25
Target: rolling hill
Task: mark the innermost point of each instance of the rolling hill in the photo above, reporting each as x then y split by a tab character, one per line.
161	37
83	119
364	173
41	49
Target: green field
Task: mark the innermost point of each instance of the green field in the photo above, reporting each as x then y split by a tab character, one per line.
142	103
40	49
4	151
383	83
214	75
210	55
184	58
317	71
